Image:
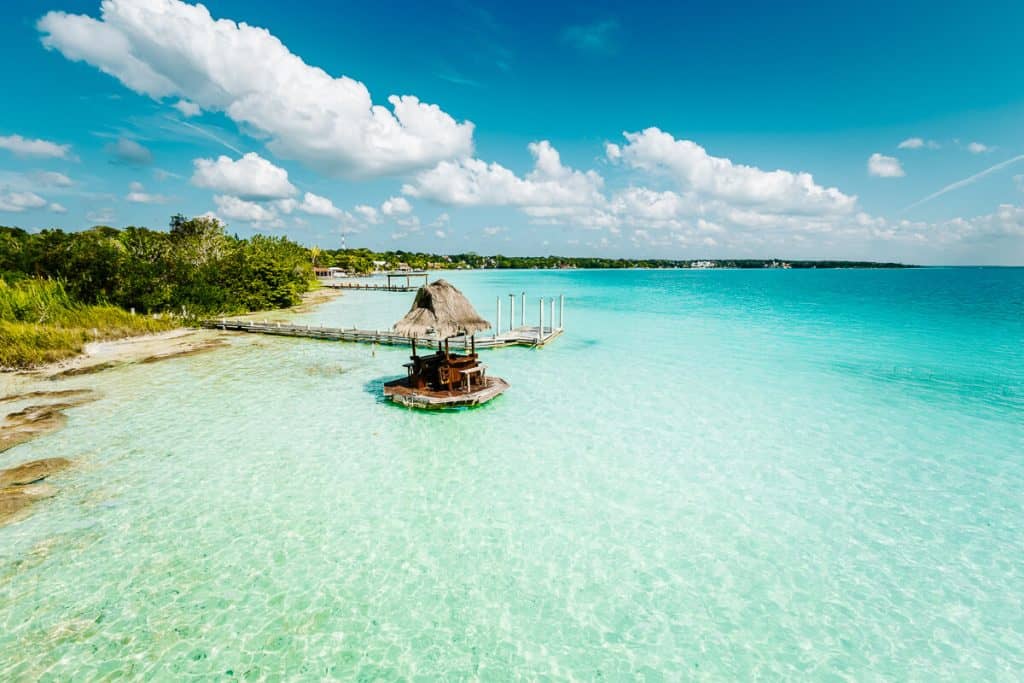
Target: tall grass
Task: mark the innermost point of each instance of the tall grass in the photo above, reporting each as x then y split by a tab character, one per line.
40	323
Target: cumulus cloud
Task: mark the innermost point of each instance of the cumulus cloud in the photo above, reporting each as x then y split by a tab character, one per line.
58	208
719	178
25	147
16	202
395	206
918	143
251	177
977	148
240	209
129	152
472	182
367	213
187	109
312	204
103	216
168	48
882	166
138	195
51	179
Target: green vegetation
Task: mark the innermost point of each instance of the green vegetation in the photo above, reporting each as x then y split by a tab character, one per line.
60	289
195	266
364	261
41	323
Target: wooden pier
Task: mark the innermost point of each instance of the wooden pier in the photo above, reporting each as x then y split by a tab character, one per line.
396	282
510	334
521	336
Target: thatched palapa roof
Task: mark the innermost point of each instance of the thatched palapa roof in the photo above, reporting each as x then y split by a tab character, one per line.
443	310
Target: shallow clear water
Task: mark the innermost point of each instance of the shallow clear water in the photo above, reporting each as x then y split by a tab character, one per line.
712	475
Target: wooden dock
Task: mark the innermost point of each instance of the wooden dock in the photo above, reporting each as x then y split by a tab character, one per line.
368	287
531	336
395	282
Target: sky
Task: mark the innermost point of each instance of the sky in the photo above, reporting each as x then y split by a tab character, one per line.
875	130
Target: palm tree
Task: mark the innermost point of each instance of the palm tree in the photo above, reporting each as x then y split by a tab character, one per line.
314	253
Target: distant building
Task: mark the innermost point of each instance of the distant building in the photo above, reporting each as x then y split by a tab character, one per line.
331	272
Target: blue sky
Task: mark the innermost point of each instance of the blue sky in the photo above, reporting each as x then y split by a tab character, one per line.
757	129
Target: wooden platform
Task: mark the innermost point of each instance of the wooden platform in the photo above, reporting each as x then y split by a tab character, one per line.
370	287
400	392
530	336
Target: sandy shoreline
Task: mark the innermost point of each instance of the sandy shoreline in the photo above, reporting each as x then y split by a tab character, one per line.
103	355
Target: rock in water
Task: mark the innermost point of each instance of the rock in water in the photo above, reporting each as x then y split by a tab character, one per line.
32	472
15	499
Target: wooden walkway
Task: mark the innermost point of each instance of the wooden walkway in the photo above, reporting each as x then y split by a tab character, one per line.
370	287
519	336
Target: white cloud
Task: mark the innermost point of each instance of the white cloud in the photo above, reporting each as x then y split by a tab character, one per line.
719	178
240	209
57	208
885	167
188	109
440	234
368	213
472	182
51	179
492	230
138	195
101	216
17	202
168	48
395	206
312	204
918	143
25	147
977	148
251	177
129	152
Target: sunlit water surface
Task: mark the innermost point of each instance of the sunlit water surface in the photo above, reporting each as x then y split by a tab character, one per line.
711	475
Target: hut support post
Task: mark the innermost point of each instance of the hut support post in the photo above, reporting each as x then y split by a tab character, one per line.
523	314
551	318
511	312
561	311
497	321
540	319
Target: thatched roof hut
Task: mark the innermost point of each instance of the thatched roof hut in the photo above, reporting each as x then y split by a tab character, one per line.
443	310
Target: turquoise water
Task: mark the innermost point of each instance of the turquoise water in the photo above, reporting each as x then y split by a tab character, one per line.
714	475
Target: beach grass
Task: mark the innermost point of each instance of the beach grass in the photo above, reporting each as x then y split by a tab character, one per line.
40	323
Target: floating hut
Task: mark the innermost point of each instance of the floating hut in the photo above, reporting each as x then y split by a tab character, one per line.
443	379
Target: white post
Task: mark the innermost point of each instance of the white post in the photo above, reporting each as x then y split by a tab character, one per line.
497	320
523	323
540	320
551	319
511	311
561	311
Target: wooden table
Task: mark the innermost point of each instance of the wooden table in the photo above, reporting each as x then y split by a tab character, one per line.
469	372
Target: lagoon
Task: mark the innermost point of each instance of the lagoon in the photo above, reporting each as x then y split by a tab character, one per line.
711	475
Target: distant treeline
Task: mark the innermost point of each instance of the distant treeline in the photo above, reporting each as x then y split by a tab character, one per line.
365	261
195	266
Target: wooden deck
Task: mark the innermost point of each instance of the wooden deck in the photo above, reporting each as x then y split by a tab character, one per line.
370	287
400	392
527	335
